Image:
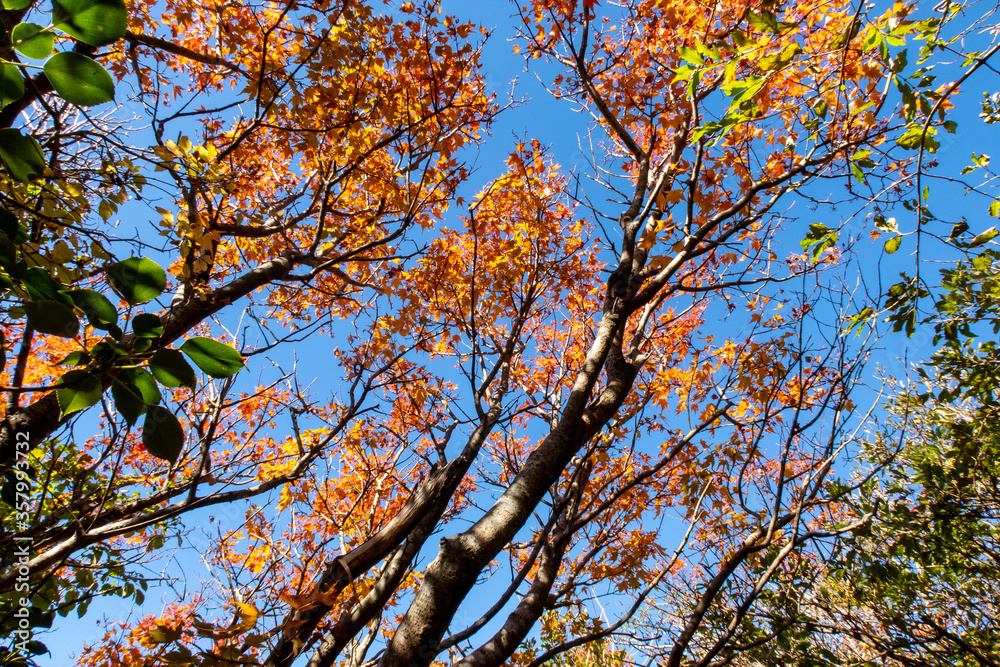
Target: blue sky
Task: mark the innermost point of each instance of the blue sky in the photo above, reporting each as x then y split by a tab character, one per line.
558	124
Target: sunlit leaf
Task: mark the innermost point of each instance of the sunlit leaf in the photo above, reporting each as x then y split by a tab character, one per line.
79	79
77	391
100	312
21	156
11	84
33	41
134	390
94	22
212	357
137	280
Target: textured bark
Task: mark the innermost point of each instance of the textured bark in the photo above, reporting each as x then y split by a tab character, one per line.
410	528
519	622
462	557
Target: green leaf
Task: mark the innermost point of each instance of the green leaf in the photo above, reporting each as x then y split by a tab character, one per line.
985	237
128	401
43	287
16	232
94	22
162	434
79	79
137	279
856	322
107	352
765	21
78	390
32	40
779	61
899	62
11	84
892	245
53	318
75	358
37	647
995	208
888	225
847	35
134	390
819	238
911	139
148	390
916	136
683	73
16	4
170	368
147	325
8	253
214	358
21	156
100	312
691	55
858	174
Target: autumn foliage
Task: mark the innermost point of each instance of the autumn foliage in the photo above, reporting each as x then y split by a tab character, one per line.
580	408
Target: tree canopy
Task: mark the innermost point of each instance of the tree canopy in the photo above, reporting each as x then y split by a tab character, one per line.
262	309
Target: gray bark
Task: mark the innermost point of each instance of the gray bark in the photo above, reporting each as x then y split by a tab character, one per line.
462	557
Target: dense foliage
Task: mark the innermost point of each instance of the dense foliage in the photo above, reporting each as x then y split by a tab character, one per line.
254	316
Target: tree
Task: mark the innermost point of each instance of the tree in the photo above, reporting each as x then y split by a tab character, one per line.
918	584
531	376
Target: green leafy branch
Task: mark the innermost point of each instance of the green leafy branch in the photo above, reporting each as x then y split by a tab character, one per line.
134	363
73	76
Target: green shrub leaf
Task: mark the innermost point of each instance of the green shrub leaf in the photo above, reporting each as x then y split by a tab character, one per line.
137	279
214	358
94	22
147	325
53	318
43	287
11	84
78	390
22	157
100	312
134	390
15	231
32	40
75	358
79	79
171	370
162	434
